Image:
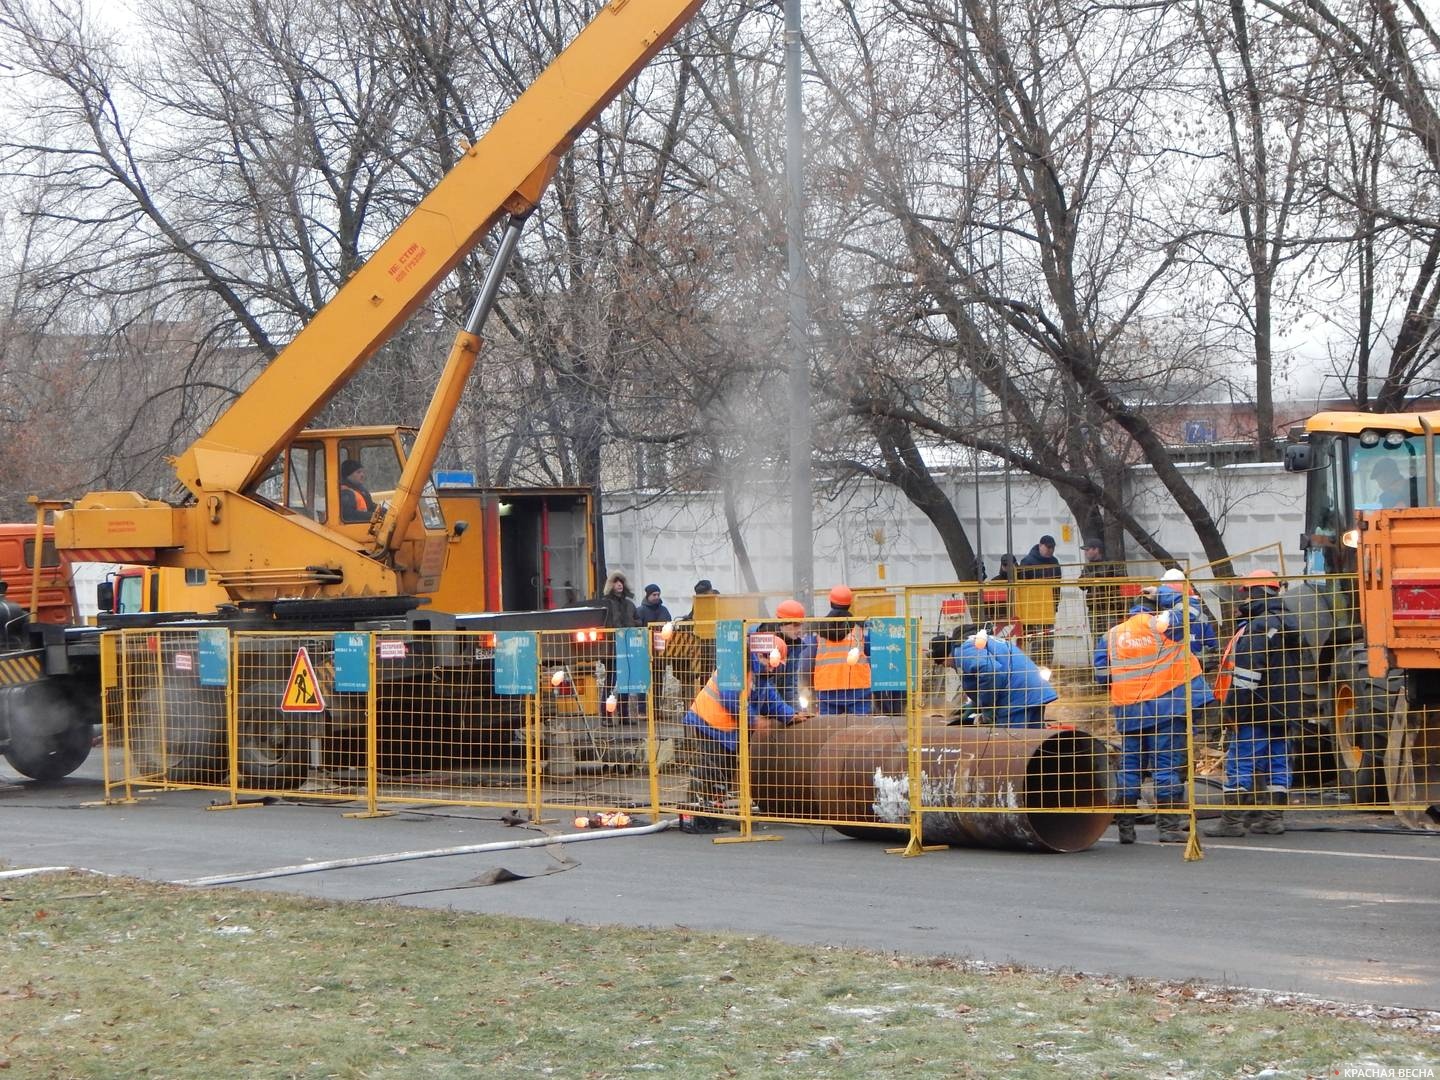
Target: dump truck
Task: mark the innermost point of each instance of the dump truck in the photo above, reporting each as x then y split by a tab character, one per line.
261	496
1372	527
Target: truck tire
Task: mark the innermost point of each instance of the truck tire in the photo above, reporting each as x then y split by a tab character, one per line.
271	751
177	731
40	746
1363	707
1412	764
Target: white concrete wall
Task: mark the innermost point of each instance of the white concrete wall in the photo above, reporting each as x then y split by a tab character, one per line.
675	541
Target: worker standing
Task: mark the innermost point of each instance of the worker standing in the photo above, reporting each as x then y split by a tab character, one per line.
1152	676
1175	592
1177	595
842	659
792	676
1004	686
1259	689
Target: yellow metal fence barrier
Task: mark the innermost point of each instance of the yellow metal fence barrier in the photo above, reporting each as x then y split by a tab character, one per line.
1033	750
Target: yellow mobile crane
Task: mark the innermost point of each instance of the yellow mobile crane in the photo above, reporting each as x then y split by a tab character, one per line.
260	494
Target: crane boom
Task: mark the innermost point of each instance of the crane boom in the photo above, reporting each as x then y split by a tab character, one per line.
438	233
260	549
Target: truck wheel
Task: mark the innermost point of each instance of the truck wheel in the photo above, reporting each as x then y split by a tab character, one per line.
178	732
34	749
1363	707
1412	764
271	753
1360	735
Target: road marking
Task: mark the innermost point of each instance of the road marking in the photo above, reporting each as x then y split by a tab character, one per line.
1337	854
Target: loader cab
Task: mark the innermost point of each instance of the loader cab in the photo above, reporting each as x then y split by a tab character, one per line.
1354	463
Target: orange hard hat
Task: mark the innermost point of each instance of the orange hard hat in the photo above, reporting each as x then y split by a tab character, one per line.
1263	579
841	596
791	611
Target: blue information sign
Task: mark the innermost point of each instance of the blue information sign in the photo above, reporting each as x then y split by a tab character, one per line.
352	663
632	660
215	657
454	478
516	656
888	668
730	654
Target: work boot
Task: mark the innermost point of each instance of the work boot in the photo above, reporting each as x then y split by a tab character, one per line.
1125	828
1271	822
1233	819
1173	828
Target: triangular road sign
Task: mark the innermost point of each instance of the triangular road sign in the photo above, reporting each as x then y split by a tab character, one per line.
302	690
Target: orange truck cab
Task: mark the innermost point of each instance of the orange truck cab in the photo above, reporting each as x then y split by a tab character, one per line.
17	570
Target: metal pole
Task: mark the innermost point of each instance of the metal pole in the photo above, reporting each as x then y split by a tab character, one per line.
802	500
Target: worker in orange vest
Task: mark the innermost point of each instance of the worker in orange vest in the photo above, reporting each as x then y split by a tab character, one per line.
714	720
842	659
356	502
1153	677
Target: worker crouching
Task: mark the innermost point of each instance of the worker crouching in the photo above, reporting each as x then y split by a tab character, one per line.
1004	686
1152	676
713	723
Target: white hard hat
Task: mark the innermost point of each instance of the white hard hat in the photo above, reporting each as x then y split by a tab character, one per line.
1173	574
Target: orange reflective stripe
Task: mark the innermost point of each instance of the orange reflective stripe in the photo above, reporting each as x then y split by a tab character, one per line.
711	709
1226	675
833	671
1145	664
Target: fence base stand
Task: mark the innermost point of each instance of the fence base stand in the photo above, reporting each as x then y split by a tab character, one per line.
368	813
915	847
1193	851
746	836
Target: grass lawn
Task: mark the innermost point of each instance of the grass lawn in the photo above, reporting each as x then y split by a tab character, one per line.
105	977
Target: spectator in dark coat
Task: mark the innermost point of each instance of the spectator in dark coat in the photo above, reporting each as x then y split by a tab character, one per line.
702	588
1035	605
618	602
1040	561
1104	603
652	609
620	612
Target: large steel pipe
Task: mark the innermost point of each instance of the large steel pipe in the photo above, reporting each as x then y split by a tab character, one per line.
1025	789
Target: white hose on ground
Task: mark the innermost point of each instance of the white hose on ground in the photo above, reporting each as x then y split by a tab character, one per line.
434	853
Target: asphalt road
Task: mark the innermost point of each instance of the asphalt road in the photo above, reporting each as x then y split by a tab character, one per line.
1343	915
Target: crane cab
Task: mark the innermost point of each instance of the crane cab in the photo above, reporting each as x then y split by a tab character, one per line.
308	479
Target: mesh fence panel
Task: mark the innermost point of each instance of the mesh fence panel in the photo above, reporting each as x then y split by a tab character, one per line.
170	730
1018	741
